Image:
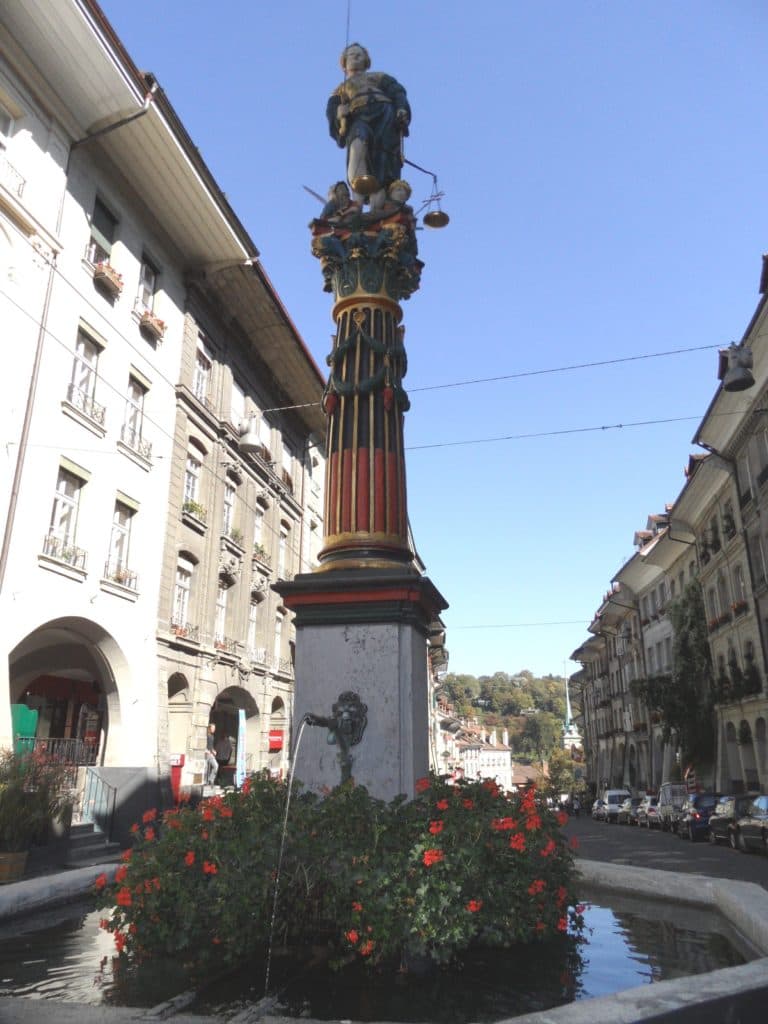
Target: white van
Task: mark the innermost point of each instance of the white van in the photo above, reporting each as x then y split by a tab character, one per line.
614	798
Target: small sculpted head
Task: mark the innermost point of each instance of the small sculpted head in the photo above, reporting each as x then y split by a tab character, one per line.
355	58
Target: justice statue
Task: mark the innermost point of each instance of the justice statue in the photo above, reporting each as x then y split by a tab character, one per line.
369	115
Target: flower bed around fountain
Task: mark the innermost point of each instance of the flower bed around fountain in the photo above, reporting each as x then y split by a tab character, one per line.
389	884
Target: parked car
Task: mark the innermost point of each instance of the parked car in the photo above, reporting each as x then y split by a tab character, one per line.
598	810
614	798
727	811
751	830
627	814
648	812
671	798
693	820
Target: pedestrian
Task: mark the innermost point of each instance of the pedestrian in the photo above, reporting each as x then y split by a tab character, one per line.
576	806
211	764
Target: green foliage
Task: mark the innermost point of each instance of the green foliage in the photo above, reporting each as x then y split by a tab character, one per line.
500	699
685	699
562	773
459	864
33	792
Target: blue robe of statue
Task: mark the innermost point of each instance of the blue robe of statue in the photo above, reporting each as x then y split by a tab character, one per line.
374	100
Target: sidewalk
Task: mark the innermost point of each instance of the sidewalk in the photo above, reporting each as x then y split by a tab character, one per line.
49	890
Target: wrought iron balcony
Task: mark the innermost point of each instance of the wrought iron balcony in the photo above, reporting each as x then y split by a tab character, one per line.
64	750
85	404
184	630
121	575
63	550
11	178
260	656
225	643
131	438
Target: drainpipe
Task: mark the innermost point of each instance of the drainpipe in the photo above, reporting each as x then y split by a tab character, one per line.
43	329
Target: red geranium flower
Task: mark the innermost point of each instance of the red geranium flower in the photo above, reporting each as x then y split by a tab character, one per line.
101	881
533	822
119	941
208	814
562	924
149	833
357	906
562	818
503	824
549	848
469	804
120	874
124	897
435	827
189	858
351	936
149	815
490	786
432	857
517	842
474	905
245	789
536	886
209	868
367	948
442	805
421	785
126	855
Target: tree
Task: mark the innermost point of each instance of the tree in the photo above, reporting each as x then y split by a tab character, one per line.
561	772
685	698
541	734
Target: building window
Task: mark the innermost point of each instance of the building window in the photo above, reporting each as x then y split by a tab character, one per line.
65	506
133	427
237	406
201	379
147	285
278	646
258	525
220	627
62	533
739	586
82	386
192	471
229	508
253	625
181	592
103	231
282	551
119	545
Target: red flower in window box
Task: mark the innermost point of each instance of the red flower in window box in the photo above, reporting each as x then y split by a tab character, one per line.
152	324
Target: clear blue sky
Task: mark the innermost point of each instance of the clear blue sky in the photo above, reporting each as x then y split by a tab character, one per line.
604	165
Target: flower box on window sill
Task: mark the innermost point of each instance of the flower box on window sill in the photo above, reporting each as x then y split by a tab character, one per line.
739	607
194	515
106	277
152	325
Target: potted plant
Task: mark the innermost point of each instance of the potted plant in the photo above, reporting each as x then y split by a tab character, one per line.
33	795
152	324
105	275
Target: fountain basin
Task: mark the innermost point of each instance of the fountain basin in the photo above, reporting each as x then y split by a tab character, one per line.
703	998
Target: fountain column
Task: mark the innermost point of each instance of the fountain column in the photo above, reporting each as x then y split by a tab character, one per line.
363	617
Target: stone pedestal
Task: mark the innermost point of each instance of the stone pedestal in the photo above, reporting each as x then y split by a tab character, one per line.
364	632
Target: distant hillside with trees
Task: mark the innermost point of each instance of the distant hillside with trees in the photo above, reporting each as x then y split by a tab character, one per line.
532	709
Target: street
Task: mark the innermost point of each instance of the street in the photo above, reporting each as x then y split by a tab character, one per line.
625	844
